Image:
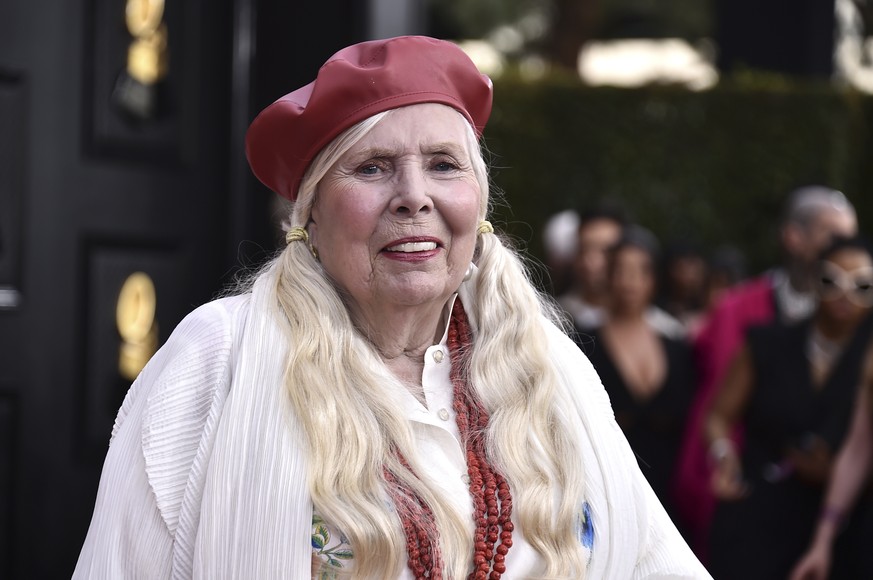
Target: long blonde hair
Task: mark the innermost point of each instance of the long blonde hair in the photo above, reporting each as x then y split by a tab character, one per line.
341	393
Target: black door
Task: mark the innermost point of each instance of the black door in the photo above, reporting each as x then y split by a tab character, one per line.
115	165
125	202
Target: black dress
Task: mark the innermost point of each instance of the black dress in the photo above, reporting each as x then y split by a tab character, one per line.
653	426
764	534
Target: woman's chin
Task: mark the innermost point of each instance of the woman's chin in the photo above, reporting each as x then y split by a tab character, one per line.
418	291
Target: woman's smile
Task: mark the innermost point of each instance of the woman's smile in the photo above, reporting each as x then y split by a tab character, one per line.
413	249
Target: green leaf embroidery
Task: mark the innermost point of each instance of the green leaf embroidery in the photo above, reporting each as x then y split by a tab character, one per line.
331	556
322	531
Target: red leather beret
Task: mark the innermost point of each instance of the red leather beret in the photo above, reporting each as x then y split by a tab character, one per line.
355	83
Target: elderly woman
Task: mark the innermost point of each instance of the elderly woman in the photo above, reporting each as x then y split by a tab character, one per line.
390	399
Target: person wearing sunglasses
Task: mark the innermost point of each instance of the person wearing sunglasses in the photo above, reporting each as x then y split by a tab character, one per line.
855	458
793	387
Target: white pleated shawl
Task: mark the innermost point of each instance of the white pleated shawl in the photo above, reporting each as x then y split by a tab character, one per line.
205	476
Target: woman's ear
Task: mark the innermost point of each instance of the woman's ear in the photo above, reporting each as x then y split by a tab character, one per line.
312	226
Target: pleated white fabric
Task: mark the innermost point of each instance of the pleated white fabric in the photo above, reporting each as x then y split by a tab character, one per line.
205	476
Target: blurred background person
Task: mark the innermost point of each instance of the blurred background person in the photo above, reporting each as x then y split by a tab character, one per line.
683	295
727	268
599	229
792	386
813	216
559	249
648	375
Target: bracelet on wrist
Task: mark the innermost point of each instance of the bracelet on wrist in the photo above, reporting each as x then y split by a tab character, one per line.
832	515
721	448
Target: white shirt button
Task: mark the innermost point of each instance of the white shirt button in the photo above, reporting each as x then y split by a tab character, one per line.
444	414
438	356
466	479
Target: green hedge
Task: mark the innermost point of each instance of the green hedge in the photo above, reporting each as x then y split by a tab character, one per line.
711	166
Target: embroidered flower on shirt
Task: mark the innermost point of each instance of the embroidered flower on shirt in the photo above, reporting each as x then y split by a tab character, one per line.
332	550
586	527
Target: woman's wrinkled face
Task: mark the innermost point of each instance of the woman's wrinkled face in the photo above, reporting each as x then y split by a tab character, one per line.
394	221
845	285
632	279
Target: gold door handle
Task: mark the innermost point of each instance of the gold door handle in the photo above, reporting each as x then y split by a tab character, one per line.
147	55
135	318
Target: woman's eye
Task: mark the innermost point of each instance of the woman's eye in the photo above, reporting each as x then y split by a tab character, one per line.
828	282
369	169
444	166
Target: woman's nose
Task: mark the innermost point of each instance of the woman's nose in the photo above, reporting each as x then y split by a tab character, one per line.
411	194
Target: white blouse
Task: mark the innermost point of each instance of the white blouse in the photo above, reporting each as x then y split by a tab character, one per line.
438	438
205	476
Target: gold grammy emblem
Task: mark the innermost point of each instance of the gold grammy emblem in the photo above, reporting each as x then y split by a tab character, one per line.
138	91
147	55
135	318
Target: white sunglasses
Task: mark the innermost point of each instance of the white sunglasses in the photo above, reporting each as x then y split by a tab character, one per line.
856	284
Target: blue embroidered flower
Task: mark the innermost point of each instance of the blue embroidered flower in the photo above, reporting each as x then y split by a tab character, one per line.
586	527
